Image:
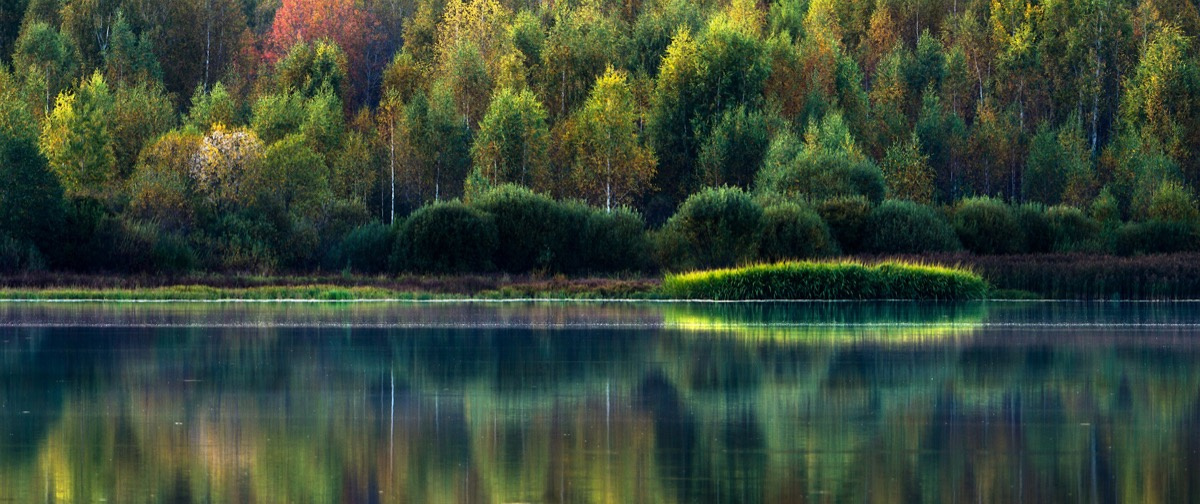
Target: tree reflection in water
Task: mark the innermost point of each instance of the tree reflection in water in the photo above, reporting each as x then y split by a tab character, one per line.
601	403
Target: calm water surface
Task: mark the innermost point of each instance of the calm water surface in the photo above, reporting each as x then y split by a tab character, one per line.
618	402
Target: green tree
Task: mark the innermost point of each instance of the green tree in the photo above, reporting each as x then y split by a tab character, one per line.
828	163
354	169
11	12
78	139
612	164
466	76
943	137
161	188
403	77
1059	168
129	58
211	107
672	108
907	172
435	155
90	24
513	139
735	148
277	115
580	45
698	81
1162	98
44	51
310	68
293	175
31	198
324	124
141	112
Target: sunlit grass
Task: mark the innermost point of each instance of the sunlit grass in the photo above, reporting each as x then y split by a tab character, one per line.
843	279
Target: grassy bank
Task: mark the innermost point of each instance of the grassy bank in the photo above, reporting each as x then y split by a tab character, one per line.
338	288
828	280
1048	276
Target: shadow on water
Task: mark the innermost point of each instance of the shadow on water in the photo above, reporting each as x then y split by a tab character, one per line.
568	402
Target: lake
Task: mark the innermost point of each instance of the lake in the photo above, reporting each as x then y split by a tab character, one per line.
599	402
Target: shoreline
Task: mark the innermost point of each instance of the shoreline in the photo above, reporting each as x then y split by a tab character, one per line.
1065	277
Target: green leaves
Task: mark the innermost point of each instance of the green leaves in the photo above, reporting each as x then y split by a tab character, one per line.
77	140
513	140
612	166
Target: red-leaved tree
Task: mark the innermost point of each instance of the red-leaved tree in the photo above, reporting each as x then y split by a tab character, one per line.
345	22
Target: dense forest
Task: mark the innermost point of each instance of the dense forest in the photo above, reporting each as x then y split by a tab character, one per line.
589	136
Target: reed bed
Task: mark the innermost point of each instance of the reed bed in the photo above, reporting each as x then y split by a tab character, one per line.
828	280
1094	277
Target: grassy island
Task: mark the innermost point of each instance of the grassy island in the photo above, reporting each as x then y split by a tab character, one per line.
834	280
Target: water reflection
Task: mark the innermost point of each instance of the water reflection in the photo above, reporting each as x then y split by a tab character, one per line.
891	402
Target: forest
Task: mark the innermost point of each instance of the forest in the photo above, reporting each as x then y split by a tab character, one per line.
589	136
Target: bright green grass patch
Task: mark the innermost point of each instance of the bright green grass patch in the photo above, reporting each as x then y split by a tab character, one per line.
828	280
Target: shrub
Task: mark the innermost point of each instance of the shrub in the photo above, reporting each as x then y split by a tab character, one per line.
365	249
904	227
1173	202
239	244
17	256
1037	236
173	254
713	228
987	226
616	241
827	280
447	238
824	164
1073	231
100	241
533	231
571	251
792	231
847	220
1157	237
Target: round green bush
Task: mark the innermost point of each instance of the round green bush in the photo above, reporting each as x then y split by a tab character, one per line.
1037	236
847	220
904	227
1073	230
365	249
987	226
1157	237
615	241
18	256
173	254
534	231
1173	202
792	231
713	228
446	237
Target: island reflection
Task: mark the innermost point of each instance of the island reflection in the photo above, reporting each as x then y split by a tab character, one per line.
884	402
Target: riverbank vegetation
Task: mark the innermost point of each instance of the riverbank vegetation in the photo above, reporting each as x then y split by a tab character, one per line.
497	137
828	280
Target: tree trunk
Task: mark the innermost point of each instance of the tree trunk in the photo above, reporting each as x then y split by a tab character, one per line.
608	184
392	164
207	40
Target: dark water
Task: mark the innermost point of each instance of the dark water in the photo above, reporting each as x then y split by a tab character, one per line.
613	403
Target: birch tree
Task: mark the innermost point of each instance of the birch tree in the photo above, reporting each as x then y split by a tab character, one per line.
613	165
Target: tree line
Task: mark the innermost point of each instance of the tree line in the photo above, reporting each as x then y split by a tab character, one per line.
267	135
